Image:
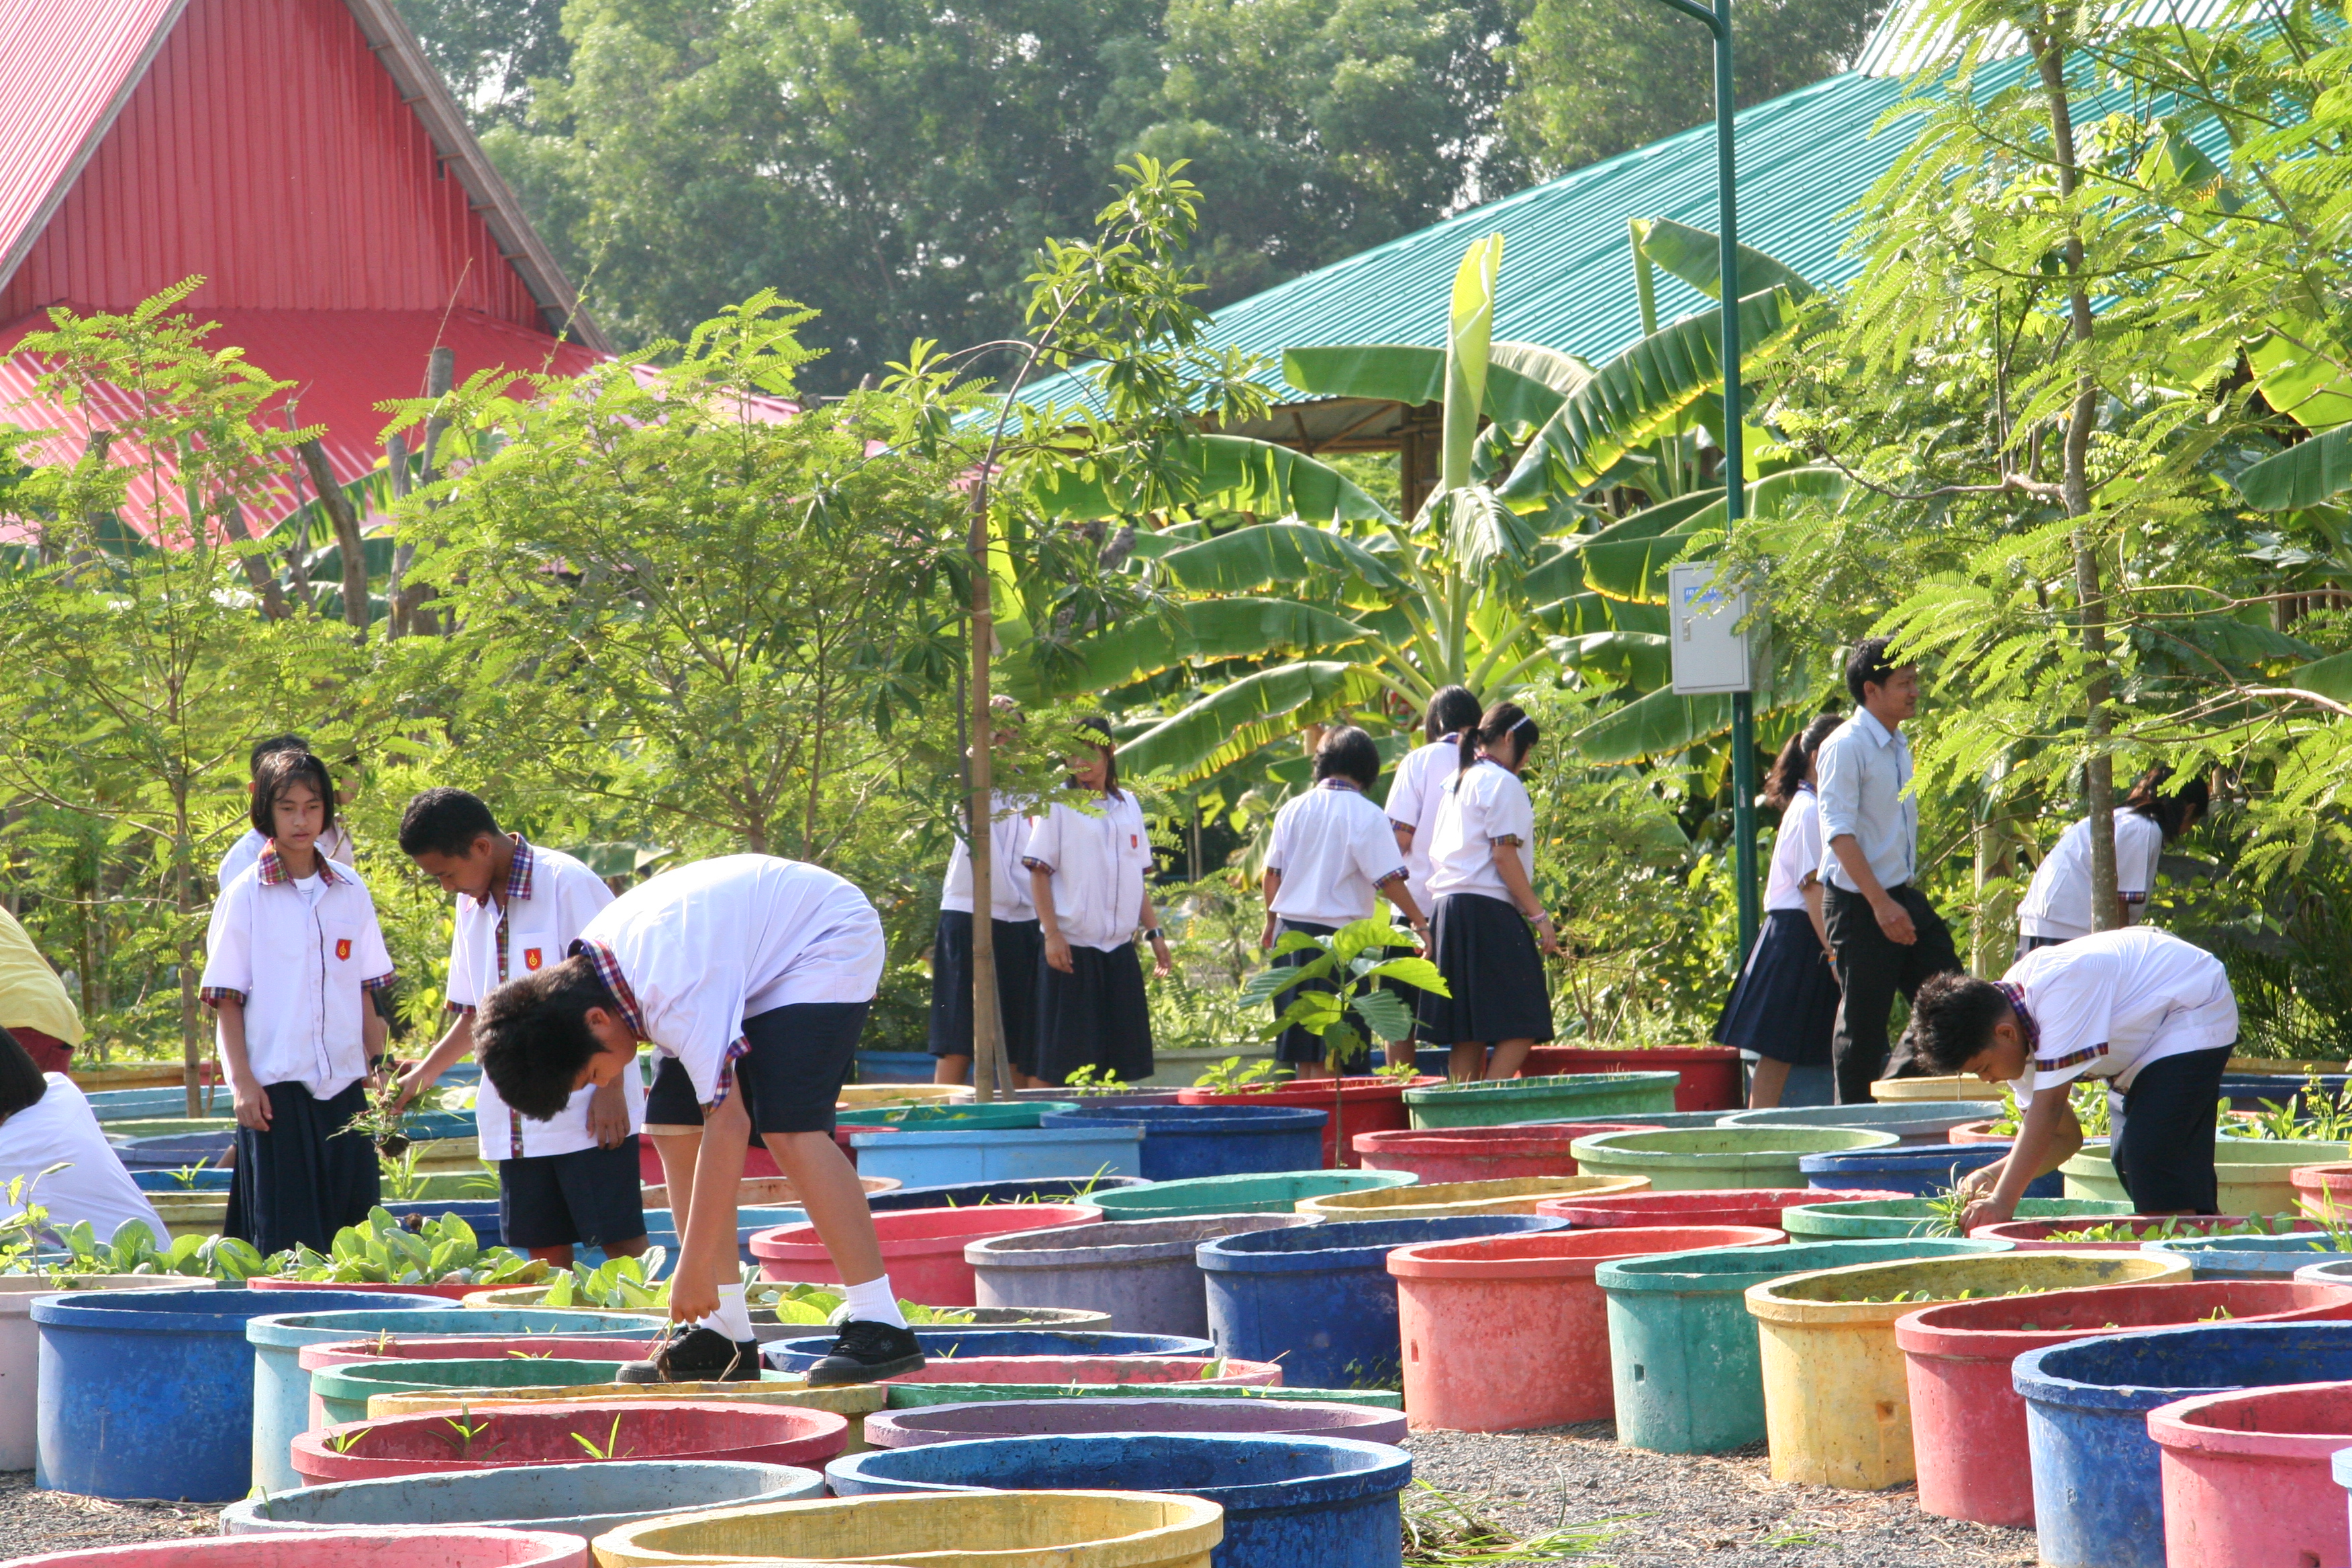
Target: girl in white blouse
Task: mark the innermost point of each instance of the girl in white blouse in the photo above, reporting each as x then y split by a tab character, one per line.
1482	874
1784	1007
290	956
1088	873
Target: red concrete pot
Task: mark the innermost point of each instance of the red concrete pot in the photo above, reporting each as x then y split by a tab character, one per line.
1978	1132
1367	1104
2324	1190
2033	1235
1723	1205
1509	1332
757	1161
922	1249
418	1546
1967	1421
2246	1477
1711	1074
1051	1371
447	1292
467	1347
548	1434
1480	1153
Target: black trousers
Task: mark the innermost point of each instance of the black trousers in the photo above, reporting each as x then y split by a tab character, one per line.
1871	969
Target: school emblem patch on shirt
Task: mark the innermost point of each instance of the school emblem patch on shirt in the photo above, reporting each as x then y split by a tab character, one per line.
1132	842
343	948
531	958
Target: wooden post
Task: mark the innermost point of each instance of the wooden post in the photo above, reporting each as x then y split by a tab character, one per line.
347	534
440	375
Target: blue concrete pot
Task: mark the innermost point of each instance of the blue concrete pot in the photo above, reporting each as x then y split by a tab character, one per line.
2098	1493
1289	1502
162	1181
281	1388
956	1194
150	1394
1917	1123
896	1067
921	1156
586	1500
800	1353
1181	1141
2251	1257
1918	1171
1319	1299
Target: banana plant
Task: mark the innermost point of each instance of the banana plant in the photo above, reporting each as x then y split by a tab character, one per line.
1333	605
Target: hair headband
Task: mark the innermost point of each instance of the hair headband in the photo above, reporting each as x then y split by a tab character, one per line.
1524	721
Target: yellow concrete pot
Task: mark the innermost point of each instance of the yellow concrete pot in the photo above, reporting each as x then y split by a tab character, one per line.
1887	1090
192	1213
859	1095
448	1157
1442	1200
939	1529
1837	1397
2252	1176
856	1400
522	1298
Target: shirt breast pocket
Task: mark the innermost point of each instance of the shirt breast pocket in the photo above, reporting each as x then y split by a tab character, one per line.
527	953
340	940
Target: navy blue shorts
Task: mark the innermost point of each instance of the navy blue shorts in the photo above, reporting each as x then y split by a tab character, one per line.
589	1197
790	1078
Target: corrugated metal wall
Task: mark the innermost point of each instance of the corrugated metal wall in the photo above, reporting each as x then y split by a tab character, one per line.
267	150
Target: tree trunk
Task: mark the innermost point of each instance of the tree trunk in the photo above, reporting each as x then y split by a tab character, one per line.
184	898
980	822
256	563
2098	768
407	602
347	534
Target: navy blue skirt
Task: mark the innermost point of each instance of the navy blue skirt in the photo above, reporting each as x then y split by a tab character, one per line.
1492	966
1020	953
306	1177
1784	1005
1096	1016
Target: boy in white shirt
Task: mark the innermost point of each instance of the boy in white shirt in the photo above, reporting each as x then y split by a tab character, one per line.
291	957
2149	1013
2057	906
751	975
1332	858
573	1181
1415	791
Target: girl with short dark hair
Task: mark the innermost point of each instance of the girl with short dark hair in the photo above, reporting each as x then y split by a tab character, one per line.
291	957
2057	904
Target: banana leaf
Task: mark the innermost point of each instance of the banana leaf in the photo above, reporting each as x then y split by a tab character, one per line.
1636	394
1268	554
1470	326
1643	660
2330	676
1635	568
1235	721
1695	257
1657	725
1769	497
1228	473
1211	629
2305	474
1525	383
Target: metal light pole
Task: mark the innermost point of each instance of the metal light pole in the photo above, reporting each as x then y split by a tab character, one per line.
1717	22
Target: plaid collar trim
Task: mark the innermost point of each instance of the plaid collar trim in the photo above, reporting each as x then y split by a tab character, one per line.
1350	786
2016	995
517	875
274	872
607	965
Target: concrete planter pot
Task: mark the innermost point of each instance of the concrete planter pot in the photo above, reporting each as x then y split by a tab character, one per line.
20	1345
1141	1273
584	1501
1034	1417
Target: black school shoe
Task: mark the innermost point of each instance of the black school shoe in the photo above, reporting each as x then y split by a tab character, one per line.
867	1352
698	1355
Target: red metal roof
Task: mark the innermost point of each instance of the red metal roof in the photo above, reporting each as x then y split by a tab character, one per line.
343	362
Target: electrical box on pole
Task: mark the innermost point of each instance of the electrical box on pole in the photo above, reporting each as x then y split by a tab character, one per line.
1711	653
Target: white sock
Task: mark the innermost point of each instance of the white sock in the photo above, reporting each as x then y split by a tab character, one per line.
873	1303
733	1318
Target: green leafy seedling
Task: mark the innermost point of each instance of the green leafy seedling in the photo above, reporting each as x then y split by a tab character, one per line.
611	1449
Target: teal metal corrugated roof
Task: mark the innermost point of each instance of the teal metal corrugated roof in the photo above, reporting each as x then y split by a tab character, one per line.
1567	277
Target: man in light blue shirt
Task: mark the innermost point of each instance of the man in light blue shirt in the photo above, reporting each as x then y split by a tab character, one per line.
1887	936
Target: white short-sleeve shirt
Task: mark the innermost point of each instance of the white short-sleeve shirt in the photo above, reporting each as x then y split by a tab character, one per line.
1008	879
246	853
549	899
303	971
2106	1004
1796	852
1481	806
1099	863
1414	793
1333	849
1863	778
690	953
2058	903
59	1127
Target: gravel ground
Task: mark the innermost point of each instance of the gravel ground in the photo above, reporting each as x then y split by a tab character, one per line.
1722	1511
1672	1512
33	1522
